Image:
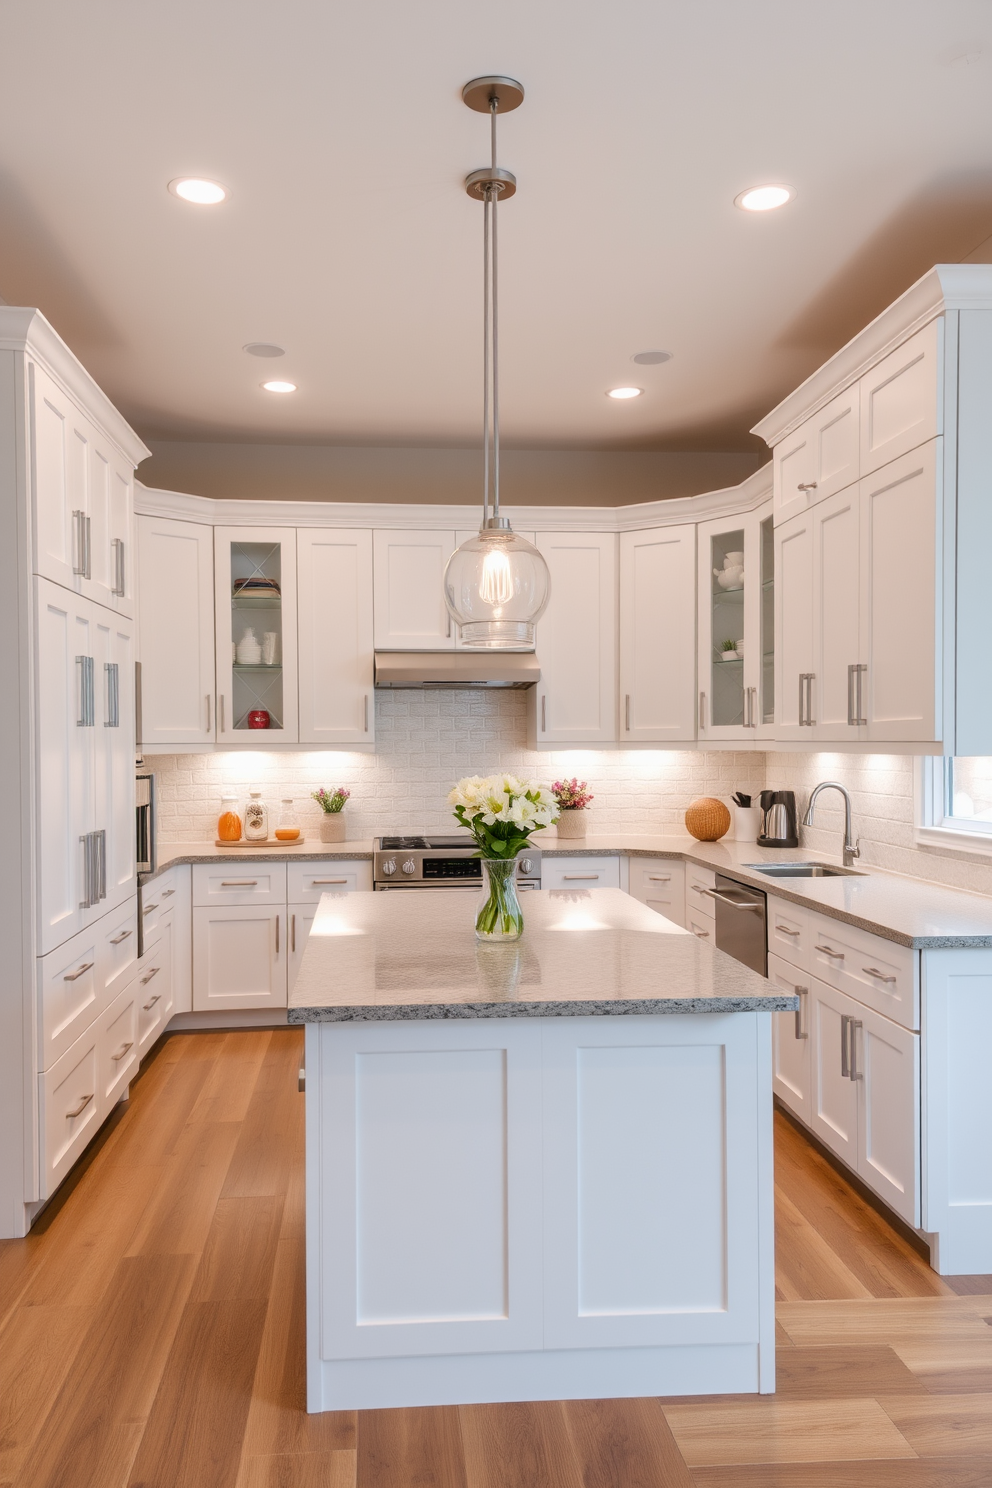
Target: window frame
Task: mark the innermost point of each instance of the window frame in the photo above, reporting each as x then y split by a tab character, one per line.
930	828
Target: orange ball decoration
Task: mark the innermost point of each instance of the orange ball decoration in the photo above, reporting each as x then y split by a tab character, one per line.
707	819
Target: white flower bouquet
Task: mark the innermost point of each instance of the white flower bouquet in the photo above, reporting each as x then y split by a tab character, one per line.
501	811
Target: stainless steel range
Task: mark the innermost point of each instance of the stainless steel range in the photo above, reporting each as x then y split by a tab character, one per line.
441	863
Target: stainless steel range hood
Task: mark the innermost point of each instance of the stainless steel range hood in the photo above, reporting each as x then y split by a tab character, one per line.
456	669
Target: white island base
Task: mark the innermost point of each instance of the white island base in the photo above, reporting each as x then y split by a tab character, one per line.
538	1208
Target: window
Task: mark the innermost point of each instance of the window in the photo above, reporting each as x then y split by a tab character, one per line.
955	803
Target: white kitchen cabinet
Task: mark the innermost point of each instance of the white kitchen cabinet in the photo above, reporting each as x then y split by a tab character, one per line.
118	1057
794	646
410	612
153	988
818	458
660	884
336	661
239	956
902	398
245	884
176	631
736	696
575	701
657	623
900	599
307	882
834	1103
82	488
255	591
790	1040
69	1108
836	684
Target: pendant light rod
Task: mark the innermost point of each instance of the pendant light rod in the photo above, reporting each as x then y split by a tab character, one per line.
495	191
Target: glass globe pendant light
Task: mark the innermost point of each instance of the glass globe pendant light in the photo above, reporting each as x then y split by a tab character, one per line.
496	585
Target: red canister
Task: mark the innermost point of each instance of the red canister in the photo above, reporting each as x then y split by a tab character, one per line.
258	718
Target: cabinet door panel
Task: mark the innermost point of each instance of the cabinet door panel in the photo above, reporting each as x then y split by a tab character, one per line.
657	629
901	399
834	1105
887	1067
57	482
793	624
899	622
301	918
176	631
336	658
249	556
239	957
410	612
69	1098
117	1047
836	616
790	1040
114	751
576	698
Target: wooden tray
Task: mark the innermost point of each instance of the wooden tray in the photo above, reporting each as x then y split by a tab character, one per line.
268	842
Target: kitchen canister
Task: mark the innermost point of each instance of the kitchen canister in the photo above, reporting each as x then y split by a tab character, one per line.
747	820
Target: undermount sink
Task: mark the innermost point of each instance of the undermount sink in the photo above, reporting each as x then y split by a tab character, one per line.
803	870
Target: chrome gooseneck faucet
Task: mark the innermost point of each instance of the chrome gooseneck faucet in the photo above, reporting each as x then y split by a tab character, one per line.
852	849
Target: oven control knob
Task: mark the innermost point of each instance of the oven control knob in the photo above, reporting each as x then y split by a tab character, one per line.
526	866
389	866
409	866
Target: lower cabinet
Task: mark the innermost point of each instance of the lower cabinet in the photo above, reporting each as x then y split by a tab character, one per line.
239	956
301	917
790	1040
154	984
660	884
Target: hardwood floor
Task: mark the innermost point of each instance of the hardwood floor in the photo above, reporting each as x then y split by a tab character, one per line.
151	1332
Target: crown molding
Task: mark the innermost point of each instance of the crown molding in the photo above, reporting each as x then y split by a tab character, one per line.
944	287
25	330
149	502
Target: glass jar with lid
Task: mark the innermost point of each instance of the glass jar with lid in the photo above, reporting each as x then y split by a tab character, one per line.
229	821
287	822
256	818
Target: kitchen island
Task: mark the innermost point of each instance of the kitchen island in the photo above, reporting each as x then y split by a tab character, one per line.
535	1171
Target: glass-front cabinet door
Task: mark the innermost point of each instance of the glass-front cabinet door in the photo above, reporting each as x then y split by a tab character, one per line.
736	627
255	588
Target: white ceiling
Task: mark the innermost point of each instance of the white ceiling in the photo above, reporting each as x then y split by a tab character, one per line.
348	239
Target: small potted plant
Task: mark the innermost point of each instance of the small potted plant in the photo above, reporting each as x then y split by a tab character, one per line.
729	650
331	804
573	796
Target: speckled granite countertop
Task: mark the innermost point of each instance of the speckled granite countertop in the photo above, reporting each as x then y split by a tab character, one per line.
908	911
380	957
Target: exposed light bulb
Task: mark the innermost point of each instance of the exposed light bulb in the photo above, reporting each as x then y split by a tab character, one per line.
496	587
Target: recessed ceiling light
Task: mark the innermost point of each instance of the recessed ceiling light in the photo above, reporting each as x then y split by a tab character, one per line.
263	349
764	198
651	358
279	387
625	392
202	193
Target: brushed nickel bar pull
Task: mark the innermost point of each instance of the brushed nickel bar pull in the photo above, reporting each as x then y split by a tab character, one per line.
208	712
220	713
854	1024
292	932
851	716
785	930
810	720
544	713
146	979
874	972
84	1101
366	701
122	1051
862	671
278	918
702	711
117	939
88	529
147	1007
148	909
806	486
167	893
79	544
627	712
239	883
74	976
317	881
579	875
701	934
802	699
828	951
845	1062
119	586
802	1030
659	878
101	853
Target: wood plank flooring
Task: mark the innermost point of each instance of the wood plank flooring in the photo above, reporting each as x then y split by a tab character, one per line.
152	1330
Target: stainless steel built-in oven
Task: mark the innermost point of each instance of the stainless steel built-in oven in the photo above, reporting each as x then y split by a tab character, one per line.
441	863
144	839
740	923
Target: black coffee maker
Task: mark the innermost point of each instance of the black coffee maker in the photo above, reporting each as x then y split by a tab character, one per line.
778	819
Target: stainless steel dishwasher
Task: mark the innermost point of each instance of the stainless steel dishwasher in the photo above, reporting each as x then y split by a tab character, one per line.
740	923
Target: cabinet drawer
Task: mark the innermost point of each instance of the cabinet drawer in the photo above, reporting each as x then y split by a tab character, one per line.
788	931
117	949
239	883
580	873
901	399
876	972
699	882
306	882
660	884
72	994
152	989
117	1046
700	924
69	1099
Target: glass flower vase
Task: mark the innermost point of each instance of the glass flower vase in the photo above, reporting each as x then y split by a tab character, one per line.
500	917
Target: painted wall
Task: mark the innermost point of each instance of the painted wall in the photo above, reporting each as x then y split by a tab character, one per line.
883	802
425	741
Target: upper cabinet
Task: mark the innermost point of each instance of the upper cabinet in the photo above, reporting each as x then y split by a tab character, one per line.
736	636
902	398
178	702
256	630
657	651
575	701
337	704
82	490
818	458
410	612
